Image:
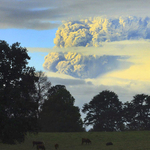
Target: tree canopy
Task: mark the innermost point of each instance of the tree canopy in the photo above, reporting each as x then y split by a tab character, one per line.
103	112
17	86
137	113
59	113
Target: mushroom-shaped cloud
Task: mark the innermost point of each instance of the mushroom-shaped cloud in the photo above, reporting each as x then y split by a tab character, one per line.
81	66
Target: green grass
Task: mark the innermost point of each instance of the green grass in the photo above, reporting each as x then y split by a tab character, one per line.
132	140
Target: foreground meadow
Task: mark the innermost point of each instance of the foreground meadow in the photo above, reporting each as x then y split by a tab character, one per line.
132	140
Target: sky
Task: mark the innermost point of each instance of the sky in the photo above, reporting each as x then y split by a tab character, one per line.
87	45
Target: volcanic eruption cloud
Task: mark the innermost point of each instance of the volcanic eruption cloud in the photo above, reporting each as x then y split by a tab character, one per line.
93	32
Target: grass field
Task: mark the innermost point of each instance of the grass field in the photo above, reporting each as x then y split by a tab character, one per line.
132	140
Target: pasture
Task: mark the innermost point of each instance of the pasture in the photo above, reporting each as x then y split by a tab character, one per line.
131	140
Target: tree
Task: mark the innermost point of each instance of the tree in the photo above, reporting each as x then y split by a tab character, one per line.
137	113
104	112
59	113
42	87
17	86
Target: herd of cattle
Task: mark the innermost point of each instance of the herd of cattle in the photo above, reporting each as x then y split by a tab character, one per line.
40	145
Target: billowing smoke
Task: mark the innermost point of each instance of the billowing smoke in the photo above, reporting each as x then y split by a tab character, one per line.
81	66
94	31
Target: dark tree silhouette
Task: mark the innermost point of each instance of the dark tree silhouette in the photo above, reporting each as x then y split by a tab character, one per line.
137	113
59	113
104	112
17	86
42	86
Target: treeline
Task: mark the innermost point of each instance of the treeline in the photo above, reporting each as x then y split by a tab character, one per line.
29	104
106	113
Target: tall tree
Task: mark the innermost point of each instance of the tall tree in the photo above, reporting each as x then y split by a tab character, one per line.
17	86
104	112
42	87
137	113
59	113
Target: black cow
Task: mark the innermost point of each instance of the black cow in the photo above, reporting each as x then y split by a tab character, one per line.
85	140
109	143
88	141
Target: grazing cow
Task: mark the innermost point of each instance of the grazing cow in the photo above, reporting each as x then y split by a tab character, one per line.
40	146
85	140
56	146
109	143
37	142
88	141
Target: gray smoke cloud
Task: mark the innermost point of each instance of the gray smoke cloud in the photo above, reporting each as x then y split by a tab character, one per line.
81	66
94	31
